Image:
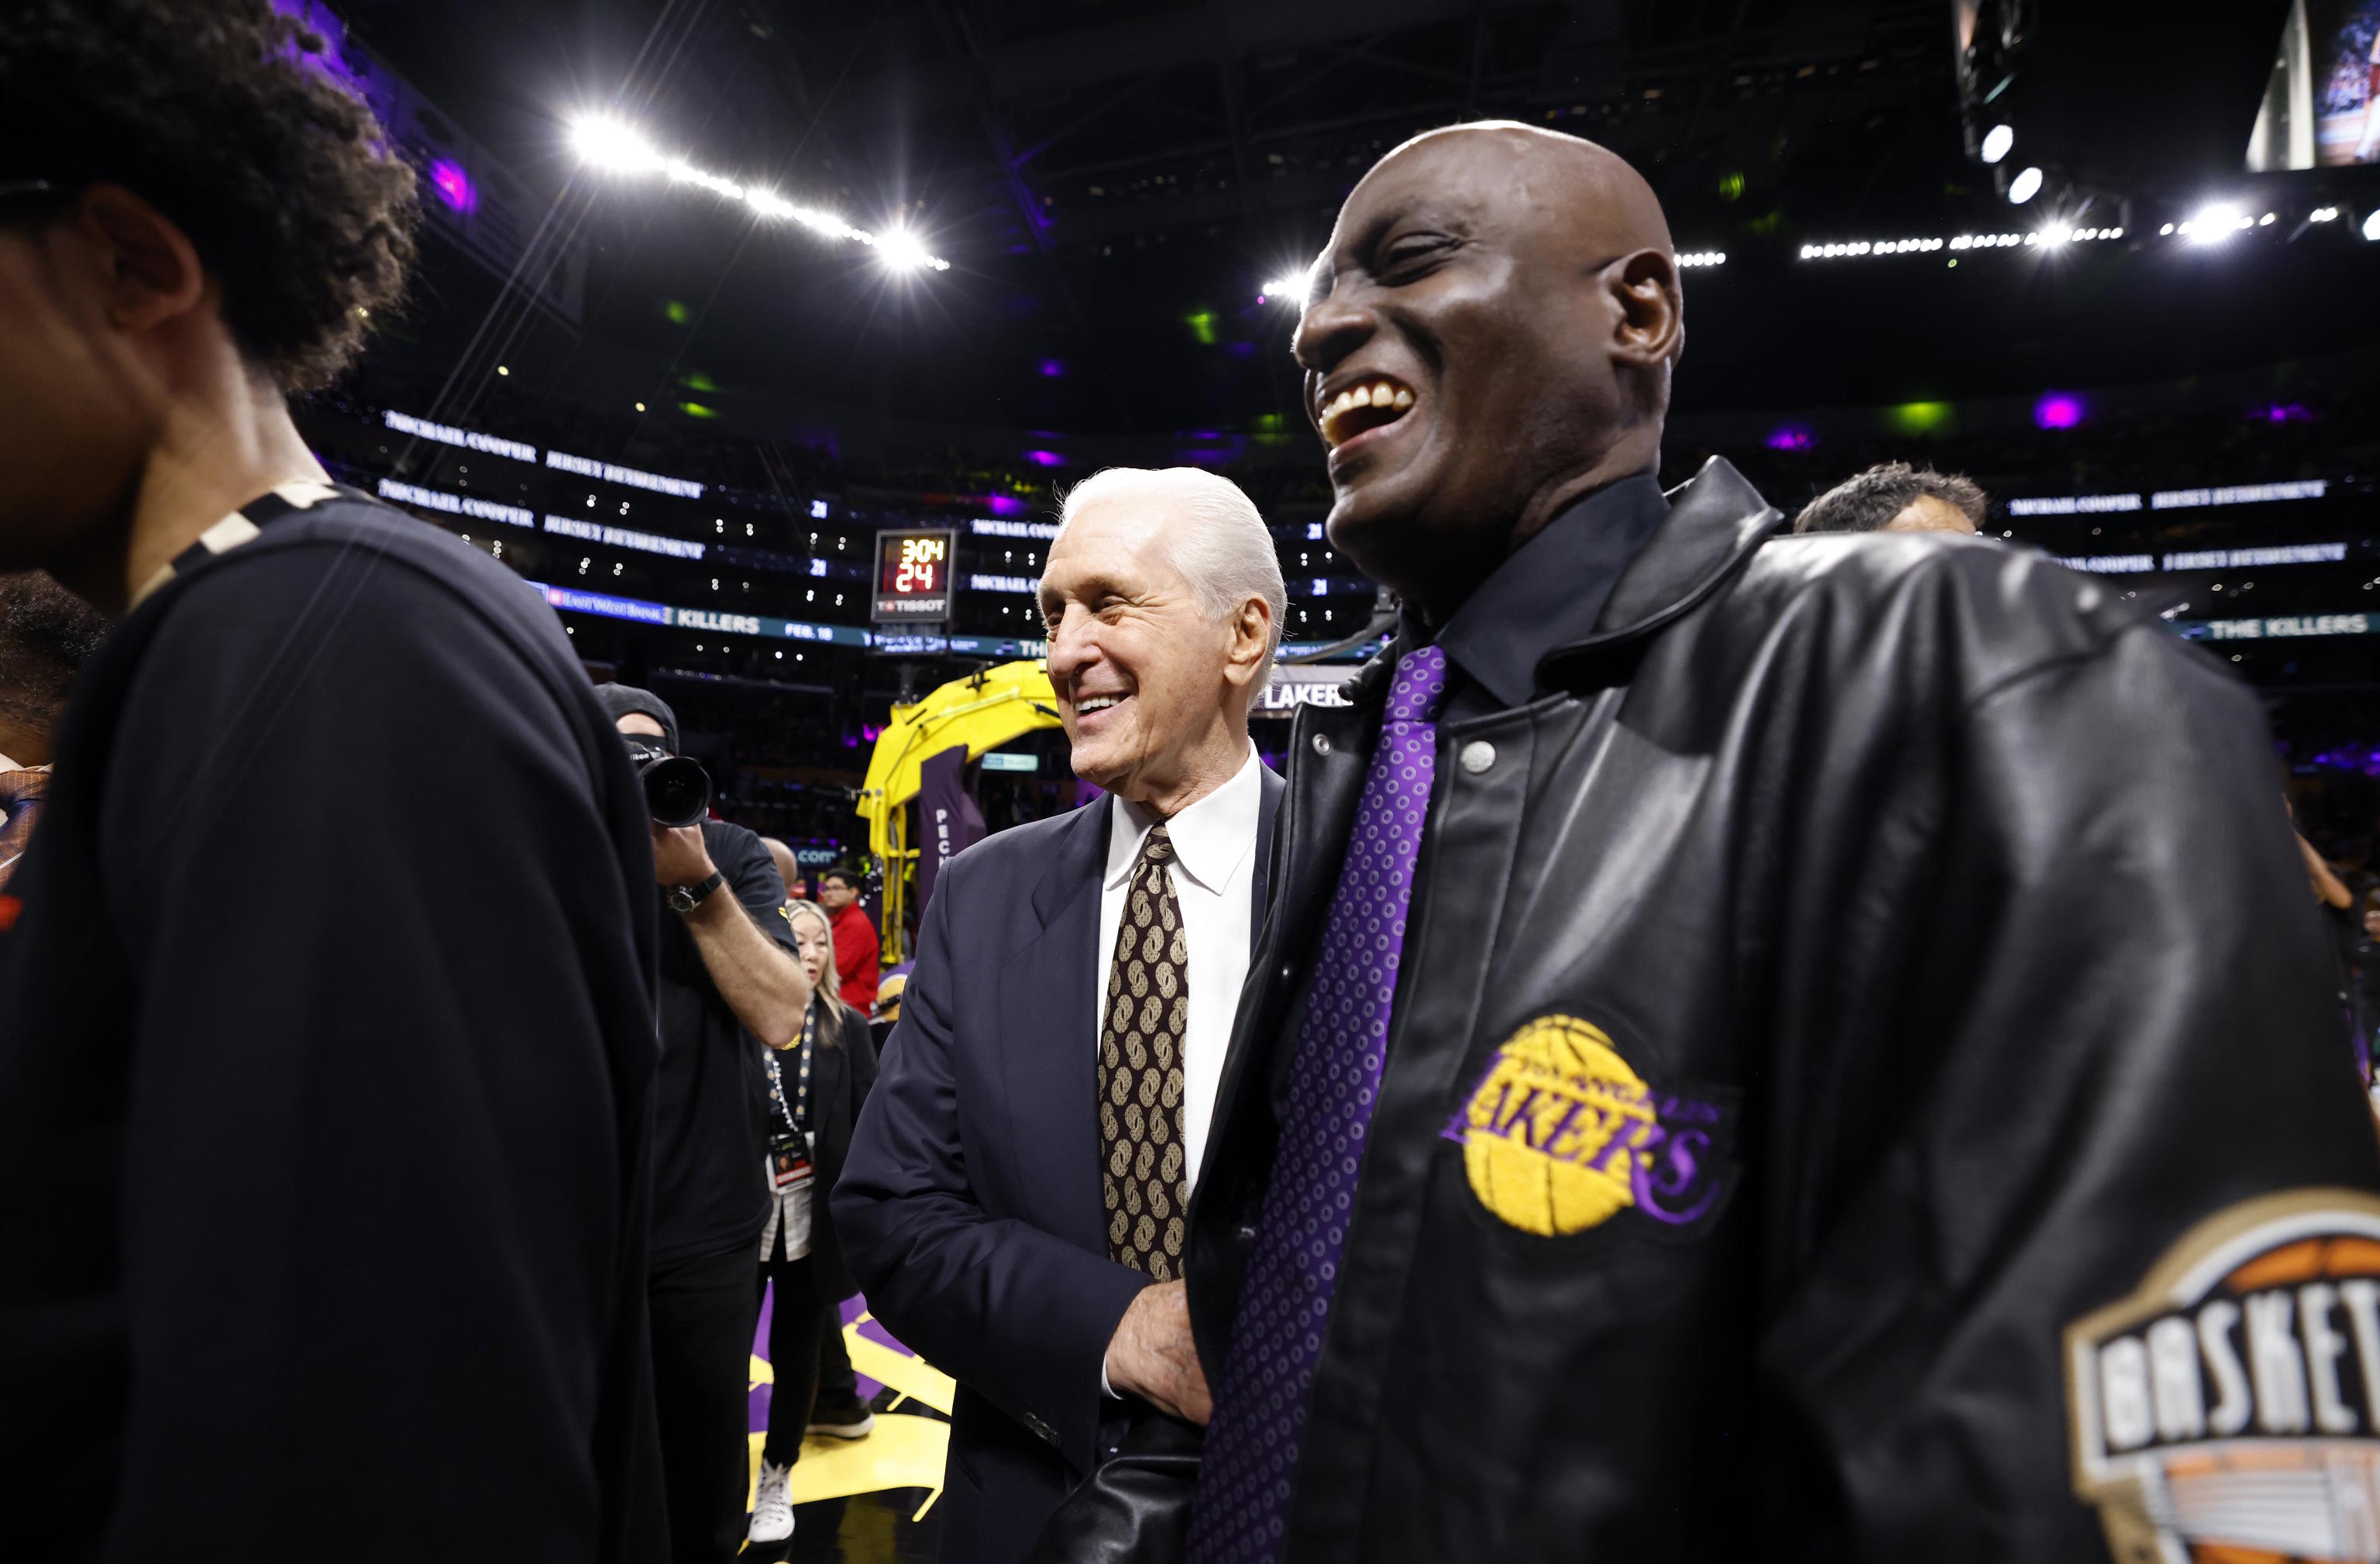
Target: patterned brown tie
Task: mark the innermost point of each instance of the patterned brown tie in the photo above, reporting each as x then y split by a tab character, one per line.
1142	1160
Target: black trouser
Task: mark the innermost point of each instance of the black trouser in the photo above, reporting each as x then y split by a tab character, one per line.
838	1381
703	1313
797	1330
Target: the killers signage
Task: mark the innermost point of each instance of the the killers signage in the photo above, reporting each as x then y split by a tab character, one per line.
2228	1408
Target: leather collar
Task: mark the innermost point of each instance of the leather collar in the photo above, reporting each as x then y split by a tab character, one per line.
1716	519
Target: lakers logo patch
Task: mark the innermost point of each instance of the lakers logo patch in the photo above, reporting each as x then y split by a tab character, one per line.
2230	1409
1561	1135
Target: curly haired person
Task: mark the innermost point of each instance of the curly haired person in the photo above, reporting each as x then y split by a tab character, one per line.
325	1011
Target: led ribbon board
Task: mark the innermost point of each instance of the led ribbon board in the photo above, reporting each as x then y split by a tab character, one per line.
571	601
912	575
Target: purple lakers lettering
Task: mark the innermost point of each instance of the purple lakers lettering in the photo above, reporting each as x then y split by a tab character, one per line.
1560	1134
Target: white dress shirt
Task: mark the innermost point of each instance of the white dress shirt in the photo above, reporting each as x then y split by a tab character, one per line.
1214	875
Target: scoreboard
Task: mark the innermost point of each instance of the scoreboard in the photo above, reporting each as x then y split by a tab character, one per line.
912	575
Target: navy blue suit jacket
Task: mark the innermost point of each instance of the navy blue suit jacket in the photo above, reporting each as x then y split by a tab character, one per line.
970	1208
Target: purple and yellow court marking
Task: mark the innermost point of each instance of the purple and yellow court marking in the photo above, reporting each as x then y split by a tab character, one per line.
902	1451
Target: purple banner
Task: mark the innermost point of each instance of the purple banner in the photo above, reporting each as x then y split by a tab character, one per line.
949	822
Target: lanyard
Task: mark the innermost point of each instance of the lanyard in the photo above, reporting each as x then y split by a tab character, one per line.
799	1117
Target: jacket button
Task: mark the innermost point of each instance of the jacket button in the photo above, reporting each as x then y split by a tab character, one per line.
1322	744
1477	756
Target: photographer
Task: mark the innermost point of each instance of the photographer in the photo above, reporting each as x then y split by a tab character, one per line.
727	969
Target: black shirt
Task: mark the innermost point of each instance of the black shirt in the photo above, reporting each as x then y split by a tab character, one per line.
1544	596
711	1103
326	1043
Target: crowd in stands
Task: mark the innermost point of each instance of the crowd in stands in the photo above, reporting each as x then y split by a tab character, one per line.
798	758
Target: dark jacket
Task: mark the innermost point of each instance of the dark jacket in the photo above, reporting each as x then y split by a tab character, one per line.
1950	961
971	1207
843	1072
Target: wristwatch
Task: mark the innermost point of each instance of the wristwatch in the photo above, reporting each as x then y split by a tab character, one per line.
685	898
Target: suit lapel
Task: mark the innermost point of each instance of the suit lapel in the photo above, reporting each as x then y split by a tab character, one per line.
1261	884
1049	995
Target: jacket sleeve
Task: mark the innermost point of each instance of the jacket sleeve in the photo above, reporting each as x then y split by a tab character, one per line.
2112	1023
375	1167
1020	1316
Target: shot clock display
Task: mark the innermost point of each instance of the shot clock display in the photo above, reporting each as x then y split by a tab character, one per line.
912	575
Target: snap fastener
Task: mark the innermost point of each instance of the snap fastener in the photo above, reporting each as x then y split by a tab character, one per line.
1322	744
1477	756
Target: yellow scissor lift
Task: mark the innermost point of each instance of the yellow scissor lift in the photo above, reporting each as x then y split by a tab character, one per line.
982	712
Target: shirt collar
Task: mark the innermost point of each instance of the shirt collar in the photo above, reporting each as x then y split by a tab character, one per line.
1549	592
1211	838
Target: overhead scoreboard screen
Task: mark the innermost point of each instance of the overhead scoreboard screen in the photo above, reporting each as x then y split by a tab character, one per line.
912	575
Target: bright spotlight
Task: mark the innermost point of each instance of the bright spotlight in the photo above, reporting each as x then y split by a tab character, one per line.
2213	224
2371	226
1996	142
607	143
2025	186
2322	215
1290	288
901	252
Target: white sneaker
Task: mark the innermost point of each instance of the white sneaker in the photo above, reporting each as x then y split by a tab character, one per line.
772	1507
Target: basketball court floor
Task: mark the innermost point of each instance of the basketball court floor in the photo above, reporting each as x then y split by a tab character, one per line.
871	1500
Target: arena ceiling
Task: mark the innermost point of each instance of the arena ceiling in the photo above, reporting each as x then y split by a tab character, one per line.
1113	179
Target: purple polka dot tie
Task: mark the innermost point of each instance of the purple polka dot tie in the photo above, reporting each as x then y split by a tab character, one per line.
1252	1444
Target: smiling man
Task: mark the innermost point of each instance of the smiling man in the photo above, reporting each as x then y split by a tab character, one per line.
1736	1060
1016	1201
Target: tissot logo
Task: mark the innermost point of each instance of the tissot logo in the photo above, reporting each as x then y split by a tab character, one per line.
2232	1403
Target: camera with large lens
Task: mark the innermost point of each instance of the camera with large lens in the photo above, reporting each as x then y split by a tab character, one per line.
677	790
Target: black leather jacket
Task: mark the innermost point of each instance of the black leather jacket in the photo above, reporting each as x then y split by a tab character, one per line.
1923	924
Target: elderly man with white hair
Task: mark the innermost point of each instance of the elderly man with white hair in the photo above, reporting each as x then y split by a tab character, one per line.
1015	1199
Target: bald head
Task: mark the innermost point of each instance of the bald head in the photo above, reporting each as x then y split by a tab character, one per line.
783	857
1490	337
1590	197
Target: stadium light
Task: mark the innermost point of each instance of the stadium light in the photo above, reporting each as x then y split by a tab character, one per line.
2322	215
2214	224
607	144
2371	226
1996	142
1290	288
2025	186
903	252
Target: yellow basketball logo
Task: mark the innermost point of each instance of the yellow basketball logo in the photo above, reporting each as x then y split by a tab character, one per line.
1561	1133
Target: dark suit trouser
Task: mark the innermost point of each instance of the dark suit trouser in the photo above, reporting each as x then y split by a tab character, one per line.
837	1378
703	1313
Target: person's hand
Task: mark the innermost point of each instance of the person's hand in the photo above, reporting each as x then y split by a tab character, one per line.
1152	1355
679	856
